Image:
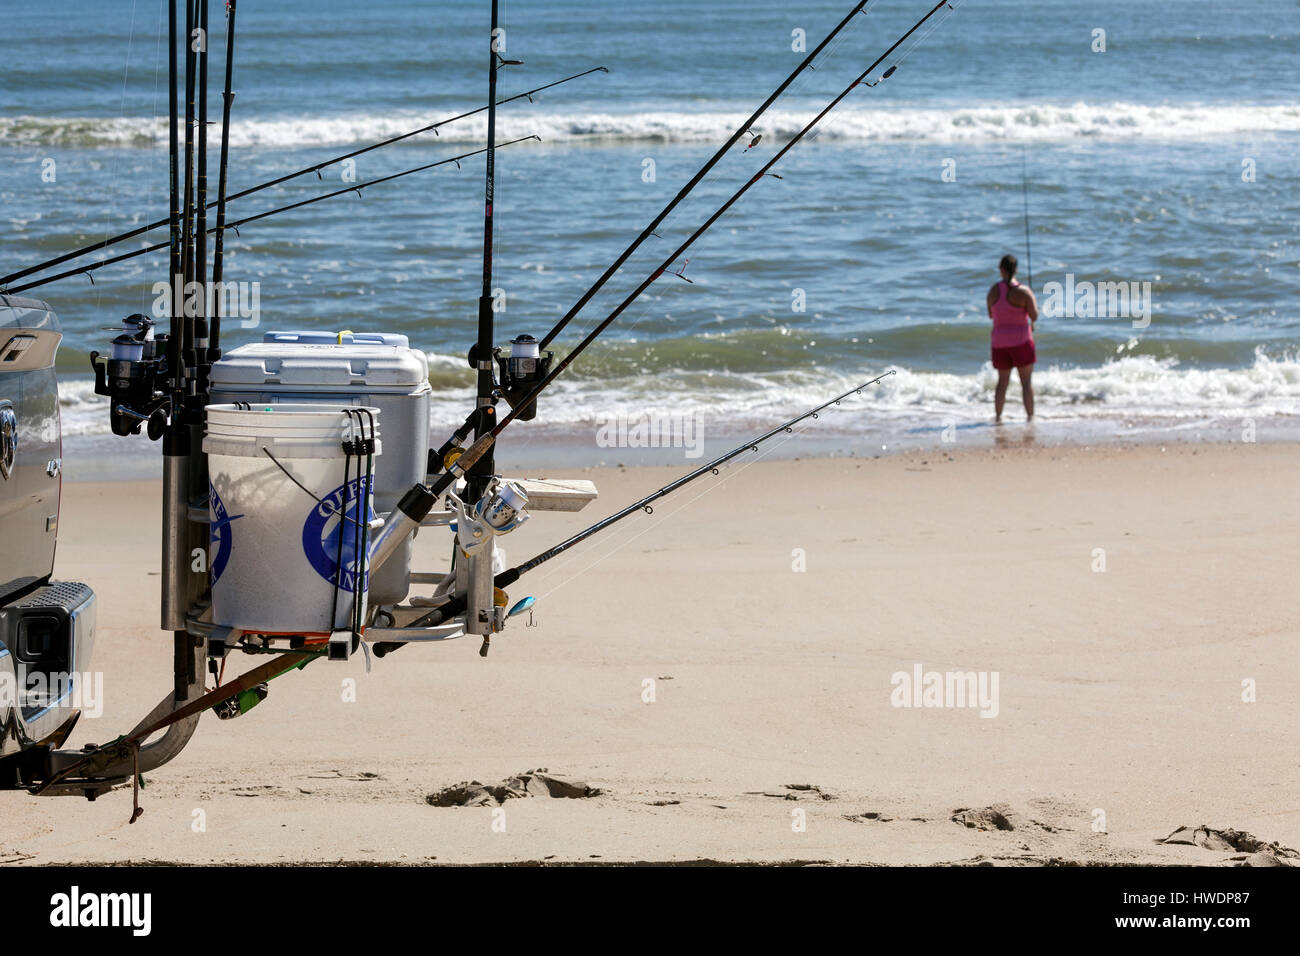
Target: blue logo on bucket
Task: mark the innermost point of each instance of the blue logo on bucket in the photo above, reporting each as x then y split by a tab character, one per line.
323	527
219	536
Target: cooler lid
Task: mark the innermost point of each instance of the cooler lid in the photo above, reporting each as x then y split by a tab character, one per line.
332	365
314	337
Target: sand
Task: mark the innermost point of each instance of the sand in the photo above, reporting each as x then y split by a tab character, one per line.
1120	715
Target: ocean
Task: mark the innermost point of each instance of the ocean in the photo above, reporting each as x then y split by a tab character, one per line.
1155	145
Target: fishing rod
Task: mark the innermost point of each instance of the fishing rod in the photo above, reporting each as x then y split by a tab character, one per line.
187	207
463	462
485	404
174	200
316	168
741	130
354	188
1024	188
219	246
508	577
201	221
178	583
357	187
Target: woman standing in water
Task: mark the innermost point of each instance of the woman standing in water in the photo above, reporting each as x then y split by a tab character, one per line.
1014	311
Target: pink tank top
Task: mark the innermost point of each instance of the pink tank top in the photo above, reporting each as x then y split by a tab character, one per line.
1010	323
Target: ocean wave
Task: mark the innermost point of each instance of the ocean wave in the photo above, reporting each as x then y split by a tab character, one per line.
82	411
1130	387
1023	123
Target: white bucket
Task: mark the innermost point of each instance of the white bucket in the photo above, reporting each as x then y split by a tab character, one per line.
274	547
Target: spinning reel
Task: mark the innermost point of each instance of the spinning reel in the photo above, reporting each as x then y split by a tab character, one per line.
521	371
131	376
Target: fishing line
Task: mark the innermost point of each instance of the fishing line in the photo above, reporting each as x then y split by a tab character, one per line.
1024	189
316	168
145	290
455	606
709	487
497	178
903	56
223	169
184	349
646	307
355	188
699	176
796	87
628	539
643	504
113	191
803	79
952	8
483	445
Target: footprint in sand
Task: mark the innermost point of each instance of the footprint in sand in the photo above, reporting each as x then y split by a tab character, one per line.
795	791
985	818
530	783
1002	816
340	775
869	816
1255	851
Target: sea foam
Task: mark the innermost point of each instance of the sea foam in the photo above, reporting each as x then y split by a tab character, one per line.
1030	122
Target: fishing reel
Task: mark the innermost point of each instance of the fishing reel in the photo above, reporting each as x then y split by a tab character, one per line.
498	512
520	373
478	525
131	376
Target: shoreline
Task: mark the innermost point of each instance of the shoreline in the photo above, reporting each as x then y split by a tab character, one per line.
89	459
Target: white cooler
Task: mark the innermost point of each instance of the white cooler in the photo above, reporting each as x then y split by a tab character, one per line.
379	370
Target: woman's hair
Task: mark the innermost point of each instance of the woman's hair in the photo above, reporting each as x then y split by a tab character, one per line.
1008	265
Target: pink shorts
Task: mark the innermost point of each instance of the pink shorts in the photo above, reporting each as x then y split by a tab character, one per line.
1015	357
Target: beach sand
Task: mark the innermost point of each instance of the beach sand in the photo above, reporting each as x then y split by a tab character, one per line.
1120	712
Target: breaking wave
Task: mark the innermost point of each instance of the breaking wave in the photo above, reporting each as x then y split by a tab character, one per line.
1132	386
1129	387
1133	398
1027	122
